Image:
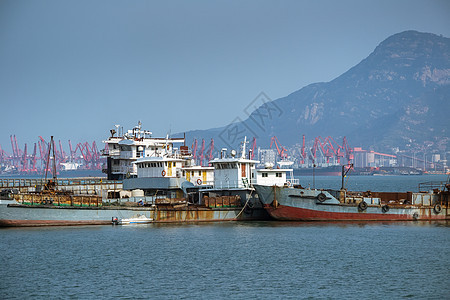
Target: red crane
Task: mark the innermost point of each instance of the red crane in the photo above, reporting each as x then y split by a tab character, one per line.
33	160
282	152
303	151
201	153
24	160
331	150
194	149
2	154
253	148
42	147
41	152
62	154
210	151
95	156
72	153
317	143
16	153
348	151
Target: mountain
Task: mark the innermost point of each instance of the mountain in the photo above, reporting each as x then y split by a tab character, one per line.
398	97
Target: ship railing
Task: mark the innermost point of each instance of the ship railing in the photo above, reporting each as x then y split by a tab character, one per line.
58	200
123	170
126	154
77	186
293	181
229	184
207	182
113	152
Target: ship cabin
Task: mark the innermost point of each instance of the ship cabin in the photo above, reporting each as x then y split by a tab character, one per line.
271	177
232	173
170	177
124	149
199	175
233	177
169	167
159	176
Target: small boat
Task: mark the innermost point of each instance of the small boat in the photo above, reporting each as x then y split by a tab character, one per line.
139	219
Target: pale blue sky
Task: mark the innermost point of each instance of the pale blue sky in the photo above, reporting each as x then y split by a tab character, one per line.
73	69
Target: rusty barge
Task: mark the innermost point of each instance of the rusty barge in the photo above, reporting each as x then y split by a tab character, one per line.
295	203
14	213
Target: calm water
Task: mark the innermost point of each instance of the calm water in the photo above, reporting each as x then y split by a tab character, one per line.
228	260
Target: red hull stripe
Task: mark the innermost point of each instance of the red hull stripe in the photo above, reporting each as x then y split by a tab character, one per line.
34	223
301	214
14	223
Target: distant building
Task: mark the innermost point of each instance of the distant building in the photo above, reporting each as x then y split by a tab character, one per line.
360	158
364	158
267	156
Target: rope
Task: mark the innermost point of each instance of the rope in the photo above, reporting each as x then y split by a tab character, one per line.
246	203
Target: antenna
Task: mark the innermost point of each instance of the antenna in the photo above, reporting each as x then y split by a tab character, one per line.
243	147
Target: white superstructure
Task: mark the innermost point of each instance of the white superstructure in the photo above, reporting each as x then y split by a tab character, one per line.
124	149
233	171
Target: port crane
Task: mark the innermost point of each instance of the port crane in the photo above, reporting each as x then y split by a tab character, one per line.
210	152
25	162
253	148
282	151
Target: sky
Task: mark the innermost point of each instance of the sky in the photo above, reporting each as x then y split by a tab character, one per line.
74	69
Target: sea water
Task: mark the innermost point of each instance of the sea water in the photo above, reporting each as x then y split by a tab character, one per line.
233	260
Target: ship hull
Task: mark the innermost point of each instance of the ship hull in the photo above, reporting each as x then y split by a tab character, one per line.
296	204
14	214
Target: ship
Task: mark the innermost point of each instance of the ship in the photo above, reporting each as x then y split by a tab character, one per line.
295	203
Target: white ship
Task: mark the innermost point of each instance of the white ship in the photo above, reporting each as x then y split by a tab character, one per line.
123	149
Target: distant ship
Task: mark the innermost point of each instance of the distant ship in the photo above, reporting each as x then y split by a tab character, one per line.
318	171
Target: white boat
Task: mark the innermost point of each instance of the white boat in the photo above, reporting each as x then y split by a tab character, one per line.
139	219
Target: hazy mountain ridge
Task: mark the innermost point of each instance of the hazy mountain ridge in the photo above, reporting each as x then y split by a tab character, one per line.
397	97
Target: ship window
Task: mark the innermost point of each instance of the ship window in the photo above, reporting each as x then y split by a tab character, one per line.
278	175
199	173
264	174
192	173
165	163
184	174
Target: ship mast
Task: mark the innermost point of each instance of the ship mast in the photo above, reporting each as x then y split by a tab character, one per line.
51	149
